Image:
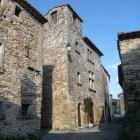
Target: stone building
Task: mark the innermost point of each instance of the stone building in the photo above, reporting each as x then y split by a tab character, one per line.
50	75
116	106
129	70
122	106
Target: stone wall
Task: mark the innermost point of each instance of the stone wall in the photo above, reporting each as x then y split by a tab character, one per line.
46	75
67	93
122	106
130	64
55	56
21	72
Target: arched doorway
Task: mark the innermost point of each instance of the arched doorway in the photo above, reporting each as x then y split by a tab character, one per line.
79	114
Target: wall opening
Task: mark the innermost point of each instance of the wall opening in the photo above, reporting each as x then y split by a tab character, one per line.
79	114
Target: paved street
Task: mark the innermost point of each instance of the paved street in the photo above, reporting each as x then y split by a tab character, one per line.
103	132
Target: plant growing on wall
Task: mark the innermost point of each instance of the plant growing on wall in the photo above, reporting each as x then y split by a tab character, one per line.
88	107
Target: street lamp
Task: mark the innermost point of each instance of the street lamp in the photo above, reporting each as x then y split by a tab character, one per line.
69	48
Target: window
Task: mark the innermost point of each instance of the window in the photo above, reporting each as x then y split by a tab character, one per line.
89	56
74	18
18	10
25	108
2	111
91	80
54	16
79	77
1	57
138	75
27	51
77	49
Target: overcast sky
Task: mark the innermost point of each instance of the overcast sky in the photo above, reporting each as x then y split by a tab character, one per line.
103	19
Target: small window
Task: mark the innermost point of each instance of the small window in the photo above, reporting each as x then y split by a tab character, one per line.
74	18
79	77
2	111
25	108
54	16
91	80
18	10
1	57
138	75
77	49
88	54
27	51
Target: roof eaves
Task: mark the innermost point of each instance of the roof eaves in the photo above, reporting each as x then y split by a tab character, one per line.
34	12
68	5
92	45
128	35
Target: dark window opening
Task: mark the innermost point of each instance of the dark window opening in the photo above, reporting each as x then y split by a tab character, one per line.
76	43
138	75
28	51
74	18
2	111
25	108
18	10
54	16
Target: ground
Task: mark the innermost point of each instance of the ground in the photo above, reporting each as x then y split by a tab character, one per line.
103	132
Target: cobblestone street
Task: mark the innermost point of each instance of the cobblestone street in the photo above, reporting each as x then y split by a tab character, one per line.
103	132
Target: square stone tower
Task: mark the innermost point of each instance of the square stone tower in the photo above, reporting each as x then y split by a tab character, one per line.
72	73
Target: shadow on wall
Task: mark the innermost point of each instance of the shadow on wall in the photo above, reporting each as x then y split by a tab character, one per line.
21	113
46	110
29	95
131	69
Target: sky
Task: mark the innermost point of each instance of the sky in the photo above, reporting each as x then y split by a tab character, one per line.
103	19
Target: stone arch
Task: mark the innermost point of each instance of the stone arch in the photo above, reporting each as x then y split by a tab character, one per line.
79	110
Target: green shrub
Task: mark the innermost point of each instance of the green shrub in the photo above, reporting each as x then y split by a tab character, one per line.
127	131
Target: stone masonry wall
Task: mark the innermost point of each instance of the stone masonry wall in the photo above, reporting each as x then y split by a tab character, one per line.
130	50
55	56
21	77
78	62
66	94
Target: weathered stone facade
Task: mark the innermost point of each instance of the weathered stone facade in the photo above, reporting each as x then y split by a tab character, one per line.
122	106
21	69
48	70
75	63
129	70
129	76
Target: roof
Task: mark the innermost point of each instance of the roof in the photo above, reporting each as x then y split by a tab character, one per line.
70	9
106	71
128	35
92	45
34	12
